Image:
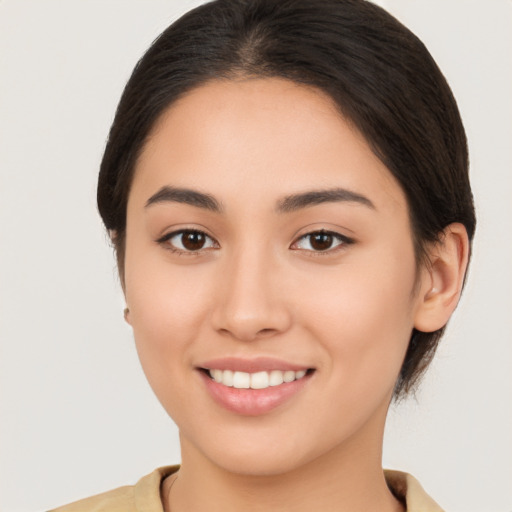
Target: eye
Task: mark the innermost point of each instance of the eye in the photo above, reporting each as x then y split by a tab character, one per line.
321	241
188	241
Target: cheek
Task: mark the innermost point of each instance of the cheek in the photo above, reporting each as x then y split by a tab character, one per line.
363	317
168	306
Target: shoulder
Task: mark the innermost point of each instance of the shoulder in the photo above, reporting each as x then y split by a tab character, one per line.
406	488
117	500
143	496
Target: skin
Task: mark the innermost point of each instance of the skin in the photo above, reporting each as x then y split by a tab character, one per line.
258	288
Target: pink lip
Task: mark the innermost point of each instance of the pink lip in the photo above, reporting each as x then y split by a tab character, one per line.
252	402
257	364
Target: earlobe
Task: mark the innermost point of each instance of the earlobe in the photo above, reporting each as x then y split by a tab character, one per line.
443	279
127	315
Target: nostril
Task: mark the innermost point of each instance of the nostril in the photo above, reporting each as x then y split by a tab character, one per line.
265	332
248	335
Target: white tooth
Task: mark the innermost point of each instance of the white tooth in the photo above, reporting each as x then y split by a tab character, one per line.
227	378
217	375
276	377
300	374
241	380
289	376
259	380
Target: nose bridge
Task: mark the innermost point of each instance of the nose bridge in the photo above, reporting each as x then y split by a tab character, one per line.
251	304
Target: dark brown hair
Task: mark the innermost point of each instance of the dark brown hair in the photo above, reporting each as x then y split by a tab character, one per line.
379	74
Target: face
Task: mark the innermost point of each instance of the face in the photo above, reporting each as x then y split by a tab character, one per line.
268	248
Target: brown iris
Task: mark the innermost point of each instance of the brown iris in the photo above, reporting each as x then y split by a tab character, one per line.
193	240
321	241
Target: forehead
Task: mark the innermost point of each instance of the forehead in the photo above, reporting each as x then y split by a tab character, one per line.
264	136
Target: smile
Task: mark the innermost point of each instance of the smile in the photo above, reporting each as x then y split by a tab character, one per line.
258	380
253	387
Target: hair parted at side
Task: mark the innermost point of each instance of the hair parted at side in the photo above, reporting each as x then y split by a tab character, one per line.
380	75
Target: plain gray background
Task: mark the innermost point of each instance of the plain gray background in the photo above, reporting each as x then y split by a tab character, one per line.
77	416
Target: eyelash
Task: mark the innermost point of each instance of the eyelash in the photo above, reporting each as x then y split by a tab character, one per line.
342	239
165	241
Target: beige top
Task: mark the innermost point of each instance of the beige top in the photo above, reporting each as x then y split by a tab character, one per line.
145	495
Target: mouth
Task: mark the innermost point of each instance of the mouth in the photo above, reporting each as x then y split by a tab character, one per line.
256	380
253	388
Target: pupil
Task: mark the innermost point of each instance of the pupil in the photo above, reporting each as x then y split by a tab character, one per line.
193	240
321	241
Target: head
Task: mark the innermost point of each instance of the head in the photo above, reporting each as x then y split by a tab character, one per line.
377	74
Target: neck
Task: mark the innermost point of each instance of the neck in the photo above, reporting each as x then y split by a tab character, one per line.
349	478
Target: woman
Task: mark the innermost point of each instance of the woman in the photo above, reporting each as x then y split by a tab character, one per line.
286	187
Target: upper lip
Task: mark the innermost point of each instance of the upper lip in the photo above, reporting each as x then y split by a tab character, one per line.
253	365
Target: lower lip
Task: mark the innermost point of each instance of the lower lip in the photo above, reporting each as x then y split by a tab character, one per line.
253	402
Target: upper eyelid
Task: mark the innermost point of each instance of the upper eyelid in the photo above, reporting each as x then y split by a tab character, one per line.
326	227
168	235
327	231
163	241
341	236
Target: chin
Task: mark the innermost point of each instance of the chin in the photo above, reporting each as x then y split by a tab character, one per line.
256	453
257	463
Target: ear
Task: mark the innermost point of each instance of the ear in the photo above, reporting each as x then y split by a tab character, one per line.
442	279
127	316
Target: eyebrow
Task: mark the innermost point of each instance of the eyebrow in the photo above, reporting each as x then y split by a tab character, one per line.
186	196
288	204
296	202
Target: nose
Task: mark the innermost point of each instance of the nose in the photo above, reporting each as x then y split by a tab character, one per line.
252	302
